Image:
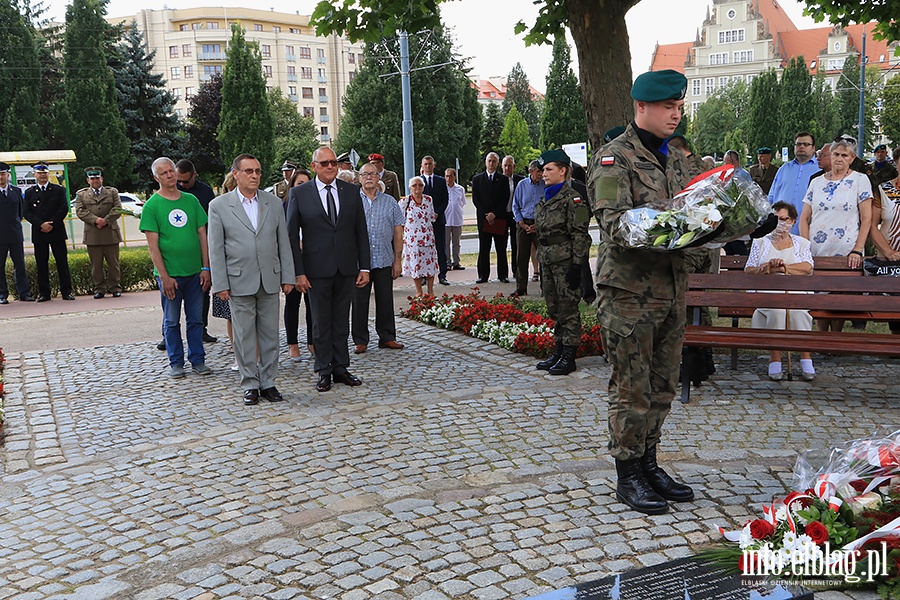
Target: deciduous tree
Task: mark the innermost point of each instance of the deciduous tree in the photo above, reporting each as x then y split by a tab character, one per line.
518	94
562	117
847	12
295	135
795	112
202	122
20	75
515	140
890	116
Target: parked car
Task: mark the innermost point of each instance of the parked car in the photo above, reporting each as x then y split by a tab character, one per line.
130	200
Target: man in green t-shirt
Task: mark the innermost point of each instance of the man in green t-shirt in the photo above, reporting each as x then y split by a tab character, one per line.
175	226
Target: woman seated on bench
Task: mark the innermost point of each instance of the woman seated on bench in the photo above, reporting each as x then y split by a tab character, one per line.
781	253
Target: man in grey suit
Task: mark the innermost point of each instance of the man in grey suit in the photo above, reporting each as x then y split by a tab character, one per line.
250	258
335	256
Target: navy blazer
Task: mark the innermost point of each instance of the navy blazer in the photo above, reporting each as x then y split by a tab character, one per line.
11	209
328	250
490	197
41	207
440	195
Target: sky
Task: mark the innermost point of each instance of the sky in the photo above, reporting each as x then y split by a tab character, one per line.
483	29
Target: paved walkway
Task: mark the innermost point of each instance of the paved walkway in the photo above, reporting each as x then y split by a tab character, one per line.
455	471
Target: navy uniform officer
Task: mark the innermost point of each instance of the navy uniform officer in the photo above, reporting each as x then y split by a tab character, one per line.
46	208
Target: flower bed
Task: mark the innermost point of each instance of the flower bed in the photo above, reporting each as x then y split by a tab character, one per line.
498	320
841	531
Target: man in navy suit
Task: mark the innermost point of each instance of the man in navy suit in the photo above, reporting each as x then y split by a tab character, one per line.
11	238
490	195
436	187
334	257
45	208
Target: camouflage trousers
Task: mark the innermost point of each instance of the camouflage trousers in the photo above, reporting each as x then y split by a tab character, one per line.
642	338
562	303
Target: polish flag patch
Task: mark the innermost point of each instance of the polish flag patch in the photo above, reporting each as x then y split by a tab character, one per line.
607	161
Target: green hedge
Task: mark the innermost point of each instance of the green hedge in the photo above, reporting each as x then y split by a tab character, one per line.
135	263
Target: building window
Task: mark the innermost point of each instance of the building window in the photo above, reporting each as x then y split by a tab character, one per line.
212	24
266	51
323	111
729	36
307	92
189	93
695	106
212	48
308	111
292	90
737	78
731	13
295	30
718	58
267	70
305	52
186	50
352	75
195	26
320	52
289	50
322	92
710	85
173	51
183	27
321	74
835	64
210	70
743	56
257	27
750	79
359	58
175	73
179	112
177	93
189	71
351	58
292	70
695	87
723	81
306	72
324	130
276	29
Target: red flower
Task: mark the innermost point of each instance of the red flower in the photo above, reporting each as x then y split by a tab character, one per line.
818	532
753	565
761	529
859	485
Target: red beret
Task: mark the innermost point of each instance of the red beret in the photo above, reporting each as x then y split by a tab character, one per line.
374	157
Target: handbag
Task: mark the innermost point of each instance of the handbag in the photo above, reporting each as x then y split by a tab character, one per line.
498	227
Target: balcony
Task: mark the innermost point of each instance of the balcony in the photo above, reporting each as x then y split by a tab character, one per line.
323	79
323	98
291	77
323	118
293	98
320	60
290	57
219	56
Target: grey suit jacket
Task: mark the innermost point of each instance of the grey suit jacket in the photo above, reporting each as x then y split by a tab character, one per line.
328	250
242	259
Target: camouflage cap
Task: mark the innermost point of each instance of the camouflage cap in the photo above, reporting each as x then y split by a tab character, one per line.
657	86
554	156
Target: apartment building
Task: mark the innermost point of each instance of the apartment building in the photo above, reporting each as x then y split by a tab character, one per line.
312	71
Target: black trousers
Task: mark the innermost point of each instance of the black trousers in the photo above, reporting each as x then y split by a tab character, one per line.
440	240
292	317
17	253
512	229
331	298
385	326
484	255
42	251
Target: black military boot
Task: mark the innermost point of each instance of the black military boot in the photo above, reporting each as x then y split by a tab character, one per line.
566	363
634	490
660	481
545	365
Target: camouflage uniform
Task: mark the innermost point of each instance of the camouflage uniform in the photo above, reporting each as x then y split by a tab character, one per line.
563	241
642	311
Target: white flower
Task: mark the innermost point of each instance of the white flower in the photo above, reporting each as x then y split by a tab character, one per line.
746	540
789	540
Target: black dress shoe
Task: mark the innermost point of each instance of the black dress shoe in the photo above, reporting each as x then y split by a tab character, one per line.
43	299
347	379
98	295
481	280
209	339
68	297
324	383
161	345
504	280
26	298
251	397
117	294
271	394
4	301
443	281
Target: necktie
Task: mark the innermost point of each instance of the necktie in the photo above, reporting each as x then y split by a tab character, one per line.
332	210
430	184
43	189
3	192
491	177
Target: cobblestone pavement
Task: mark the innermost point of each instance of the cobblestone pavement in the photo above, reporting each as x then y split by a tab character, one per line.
456	471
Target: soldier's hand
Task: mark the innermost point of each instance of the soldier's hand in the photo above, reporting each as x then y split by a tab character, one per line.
573	276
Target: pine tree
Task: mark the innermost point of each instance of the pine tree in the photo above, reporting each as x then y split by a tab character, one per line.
796	105
148	110
245	124
762	117
515	140
518	93
295	135
48	38
20	75
202	122
563	118
493	127
89	117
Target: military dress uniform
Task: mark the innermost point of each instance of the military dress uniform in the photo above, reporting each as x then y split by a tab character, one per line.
282	188
48	204
764	177
563	243
102	243
641	310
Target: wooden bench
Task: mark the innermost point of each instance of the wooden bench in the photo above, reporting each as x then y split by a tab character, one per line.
737	294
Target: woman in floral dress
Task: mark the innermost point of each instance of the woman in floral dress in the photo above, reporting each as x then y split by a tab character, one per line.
419	250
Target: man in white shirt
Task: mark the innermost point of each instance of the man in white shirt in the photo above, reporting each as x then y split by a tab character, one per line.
454	219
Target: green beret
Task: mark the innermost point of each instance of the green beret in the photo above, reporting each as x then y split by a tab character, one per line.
879	147
554	156
613	134
94	172
764	150
677	135
657	86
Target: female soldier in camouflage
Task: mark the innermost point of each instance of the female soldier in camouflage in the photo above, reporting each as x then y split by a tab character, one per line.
562	219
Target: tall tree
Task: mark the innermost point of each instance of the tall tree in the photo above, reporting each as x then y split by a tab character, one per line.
598	28
48	37
20	74
202	122
848	99
245	124
824	123
493	127
445	112
796	110
515	140
148	110
890	117
762	111
847	12
518	94
720	117
562	116
90	120
295	135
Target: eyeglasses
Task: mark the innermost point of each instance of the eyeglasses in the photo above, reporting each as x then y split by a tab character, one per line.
248	172
803	143
183	181
368	174
327	163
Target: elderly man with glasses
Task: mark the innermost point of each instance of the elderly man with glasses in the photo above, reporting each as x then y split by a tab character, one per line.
792	179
